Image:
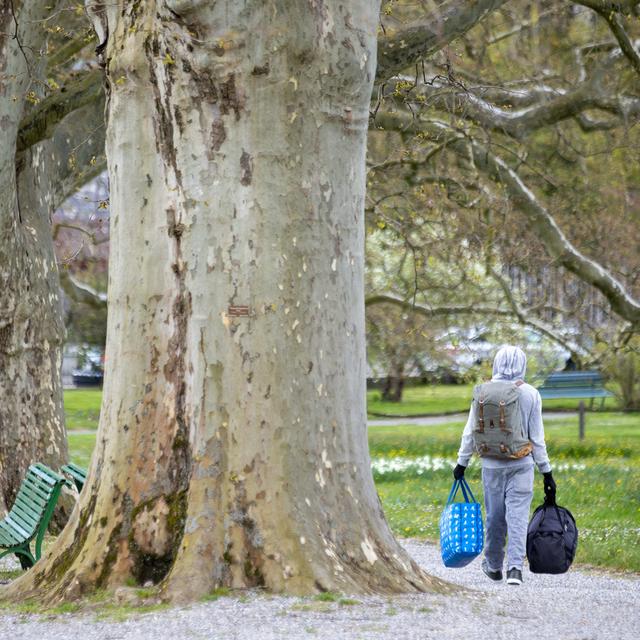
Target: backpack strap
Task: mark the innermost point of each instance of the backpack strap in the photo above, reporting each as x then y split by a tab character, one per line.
519	383
481	414
503	418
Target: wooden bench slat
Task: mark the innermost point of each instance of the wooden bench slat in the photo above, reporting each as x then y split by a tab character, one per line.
572	393
39	479
23	511
34	494
36	481
7	537
26	513
20	530
44	472
78	469
75	474
9	533
38	487
34	471
78	474
28	497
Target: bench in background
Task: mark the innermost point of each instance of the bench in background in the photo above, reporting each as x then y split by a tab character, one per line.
575	384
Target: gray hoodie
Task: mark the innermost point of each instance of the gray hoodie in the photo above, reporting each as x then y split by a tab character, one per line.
510	363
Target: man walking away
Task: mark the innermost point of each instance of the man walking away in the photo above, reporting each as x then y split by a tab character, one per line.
505	429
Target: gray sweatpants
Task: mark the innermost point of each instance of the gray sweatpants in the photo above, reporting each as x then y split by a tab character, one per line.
507	499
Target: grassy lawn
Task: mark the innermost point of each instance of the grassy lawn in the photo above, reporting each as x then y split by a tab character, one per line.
81	447
82	408
449	398
597	479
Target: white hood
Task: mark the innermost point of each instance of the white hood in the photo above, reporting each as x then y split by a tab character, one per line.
510	363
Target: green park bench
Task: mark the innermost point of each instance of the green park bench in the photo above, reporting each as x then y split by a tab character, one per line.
575	384
30	515
77	474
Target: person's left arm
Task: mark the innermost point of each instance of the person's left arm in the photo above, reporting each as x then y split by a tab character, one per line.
536	436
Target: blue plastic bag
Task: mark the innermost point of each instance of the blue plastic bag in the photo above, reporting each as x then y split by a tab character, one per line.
461	529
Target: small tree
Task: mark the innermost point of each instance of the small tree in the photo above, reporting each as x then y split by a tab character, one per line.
623	367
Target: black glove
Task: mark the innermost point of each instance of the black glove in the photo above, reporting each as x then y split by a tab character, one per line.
549	488
458	472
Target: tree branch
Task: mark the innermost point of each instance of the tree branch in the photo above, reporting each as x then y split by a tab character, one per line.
551	108
423	38
619	6
66	51
626	46
479	310
80	292
525	317
433	312
40	123
551	236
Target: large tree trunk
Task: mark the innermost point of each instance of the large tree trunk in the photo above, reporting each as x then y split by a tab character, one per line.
31	329
232	447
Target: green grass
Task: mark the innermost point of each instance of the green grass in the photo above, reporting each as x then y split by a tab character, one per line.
327	596
450	398
597	481
216	594
82	408
81	447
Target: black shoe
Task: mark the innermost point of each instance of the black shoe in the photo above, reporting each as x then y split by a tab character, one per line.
514	576
496	576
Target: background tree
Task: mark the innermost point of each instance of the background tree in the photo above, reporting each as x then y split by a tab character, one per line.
504	162
31	328
39	169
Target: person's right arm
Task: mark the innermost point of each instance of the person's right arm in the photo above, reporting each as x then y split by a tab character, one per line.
466	444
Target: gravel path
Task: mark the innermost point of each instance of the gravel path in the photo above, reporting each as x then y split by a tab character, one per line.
580	605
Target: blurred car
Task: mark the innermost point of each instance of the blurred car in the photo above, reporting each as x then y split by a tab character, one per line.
91	370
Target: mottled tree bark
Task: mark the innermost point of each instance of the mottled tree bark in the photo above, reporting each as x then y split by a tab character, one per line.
232	447
31	328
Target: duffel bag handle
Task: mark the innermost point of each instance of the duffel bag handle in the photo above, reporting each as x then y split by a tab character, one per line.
466	491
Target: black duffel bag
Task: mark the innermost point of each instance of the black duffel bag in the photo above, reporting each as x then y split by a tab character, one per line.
552	539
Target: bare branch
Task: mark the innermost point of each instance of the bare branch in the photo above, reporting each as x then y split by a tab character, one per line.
68	50
475	310
553	106
552	237
433	312
617	6
556	243
423	38
612	12
525	317
80	292
617	28
76	227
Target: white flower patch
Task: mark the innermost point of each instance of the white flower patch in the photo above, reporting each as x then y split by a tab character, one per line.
382	466
424	464
568	466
